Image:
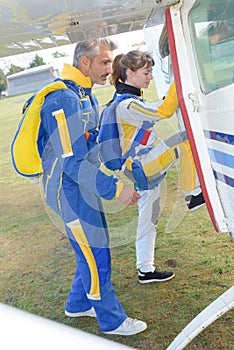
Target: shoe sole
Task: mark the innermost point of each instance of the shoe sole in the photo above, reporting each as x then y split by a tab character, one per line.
127	333
197	207
79	314
156	280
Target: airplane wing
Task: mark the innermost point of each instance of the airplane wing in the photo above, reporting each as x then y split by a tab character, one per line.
32	331
27	25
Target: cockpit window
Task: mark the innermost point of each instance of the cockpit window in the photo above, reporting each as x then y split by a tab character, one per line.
212	33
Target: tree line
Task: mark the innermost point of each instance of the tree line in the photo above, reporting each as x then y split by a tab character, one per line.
37	61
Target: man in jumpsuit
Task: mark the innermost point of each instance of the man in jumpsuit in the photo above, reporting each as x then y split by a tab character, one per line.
73	184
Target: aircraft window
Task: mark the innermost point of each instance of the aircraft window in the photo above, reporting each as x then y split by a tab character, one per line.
212	34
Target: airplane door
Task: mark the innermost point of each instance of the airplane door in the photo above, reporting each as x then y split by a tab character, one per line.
201	41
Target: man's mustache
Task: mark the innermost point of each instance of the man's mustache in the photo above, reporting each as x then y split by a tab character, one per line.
105	76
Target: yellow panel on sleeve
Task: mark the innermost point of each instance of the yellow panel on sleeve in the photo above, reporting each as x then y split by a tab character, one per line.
119	187
63	132
170	103
128	131
160	163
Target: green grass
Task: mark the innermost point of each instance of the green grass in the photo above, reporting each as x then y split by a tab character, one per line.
37	263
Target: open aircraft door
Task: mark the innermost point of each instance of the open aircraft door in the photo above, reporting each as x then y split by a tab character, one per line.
199	37
201	42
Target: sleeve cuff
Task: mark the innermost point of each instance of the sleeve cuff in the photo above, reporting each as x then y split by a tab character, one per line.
119	187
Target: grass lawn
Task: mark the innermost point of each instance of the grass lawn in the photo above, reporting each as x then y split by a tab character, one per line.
37	262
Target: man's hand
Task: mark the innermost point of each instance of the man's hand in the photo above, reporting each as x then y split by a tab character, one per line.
128	195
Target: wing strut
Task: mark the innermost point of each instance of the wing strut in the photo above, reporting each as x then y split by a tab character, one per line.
211	313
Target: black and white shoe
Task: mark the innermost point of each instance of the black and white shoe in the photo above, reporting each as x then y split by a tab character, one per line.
195	202
155	276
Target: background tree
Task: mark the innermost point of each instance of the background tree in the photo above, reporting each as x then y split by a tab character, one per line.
3	82
37	61
58	54
14	69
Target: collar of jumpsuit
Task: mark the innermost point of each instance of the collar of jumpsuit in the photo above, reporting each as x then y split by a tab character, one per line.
69	72
122	88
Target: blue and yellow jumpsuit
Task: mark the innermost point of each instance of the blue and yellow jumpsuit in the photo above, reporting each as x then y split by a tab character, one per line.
73	185
152	156
148	158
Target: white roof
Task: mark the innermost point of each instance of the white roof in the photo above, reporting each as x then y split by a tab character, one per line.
31	70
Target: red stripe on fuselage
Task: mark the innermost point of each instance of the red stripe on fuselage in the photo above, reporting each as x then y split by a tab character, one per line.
184	112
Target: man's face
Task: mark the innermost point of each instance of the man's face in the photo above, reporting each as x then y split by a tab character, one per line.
100	67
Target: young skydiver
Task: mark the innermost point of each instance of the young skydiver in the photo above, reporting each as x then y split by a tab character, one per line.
146	156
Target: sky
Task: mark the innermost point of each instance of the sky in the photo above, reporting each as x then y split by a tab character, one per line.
124	40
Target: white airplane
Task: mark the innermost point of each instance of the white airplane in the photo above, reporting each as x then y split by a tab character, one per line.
196	47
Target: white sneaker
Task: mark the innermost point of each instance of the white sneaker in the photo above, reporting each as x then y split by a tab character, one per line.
129	327
88	313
